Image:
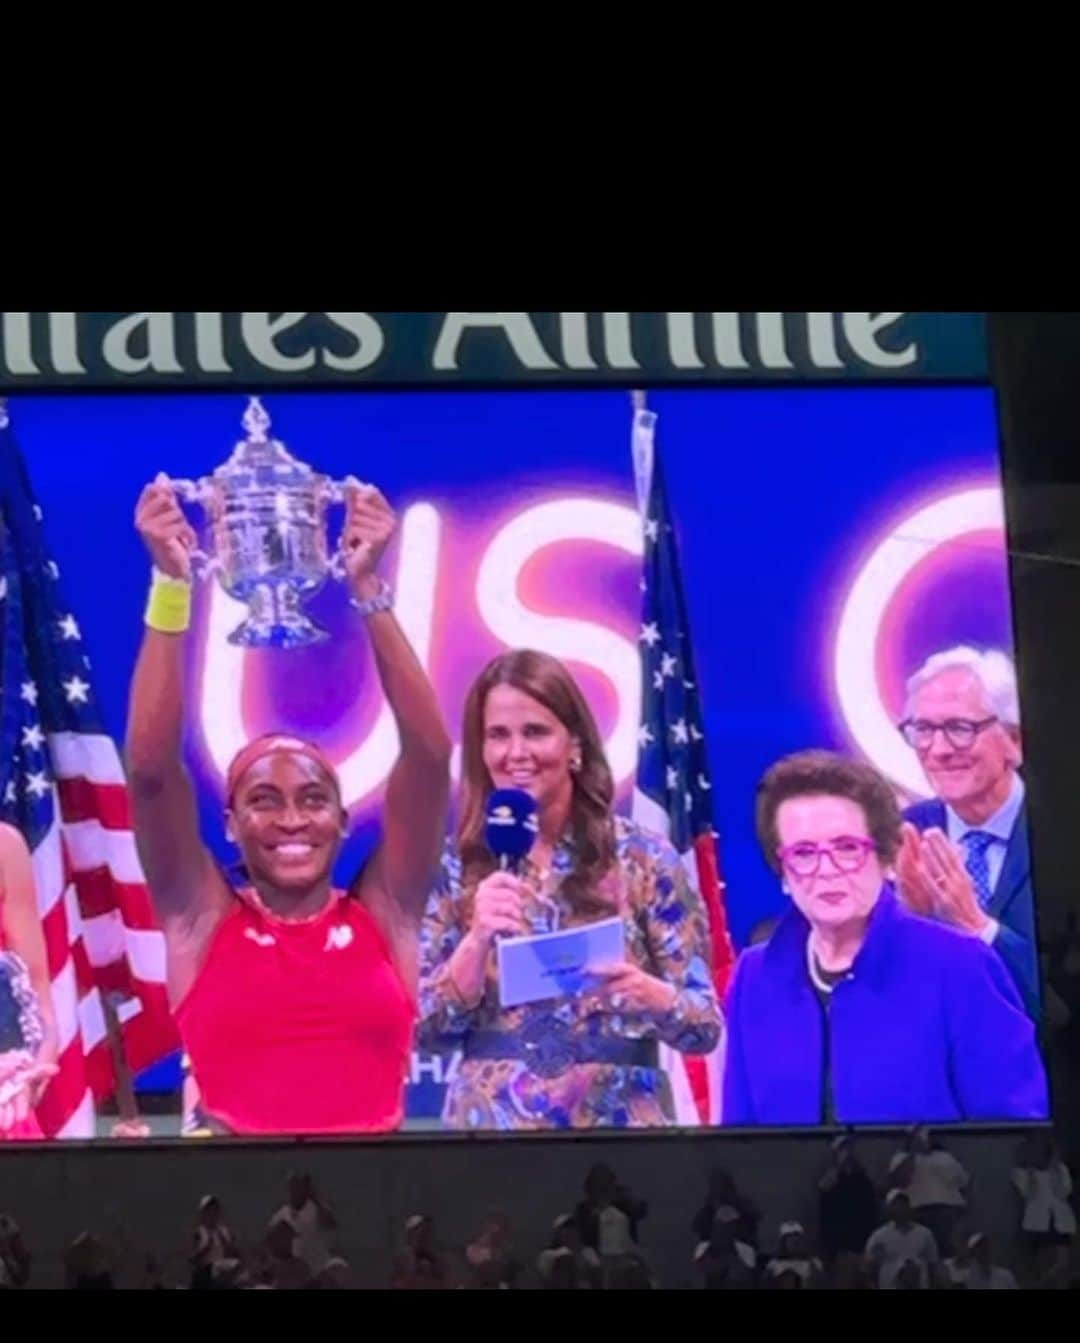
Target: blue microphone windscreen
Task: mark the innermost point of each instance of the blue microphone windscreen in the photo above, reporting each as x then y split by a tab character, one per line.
512	823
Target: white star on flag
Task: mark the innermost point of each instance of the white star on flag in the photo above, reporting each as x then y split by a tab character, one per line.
33	737
703	783
73	813
644	736
76	690
38	513
667	797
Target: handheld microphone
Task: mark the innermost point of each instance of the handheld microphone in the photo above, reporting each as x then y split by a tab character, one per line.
511	827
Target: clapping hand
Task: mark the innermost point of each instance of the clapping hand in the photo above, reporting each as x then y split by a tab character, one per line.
912	875
934	882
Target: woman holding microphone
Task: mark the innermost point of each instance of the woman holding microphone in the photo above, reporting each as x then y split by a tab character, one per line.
570	1062
294	1000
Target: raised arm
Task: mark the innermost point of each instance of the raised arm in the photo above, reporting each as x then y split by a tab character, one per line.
395	884
188	889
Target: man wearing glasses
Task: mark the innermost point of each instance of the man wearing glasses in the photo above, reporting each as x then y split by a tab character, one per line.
964	857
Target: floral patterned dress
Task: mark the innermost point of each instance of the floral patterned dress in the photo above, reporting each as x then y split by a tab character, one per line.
21	1028
667	935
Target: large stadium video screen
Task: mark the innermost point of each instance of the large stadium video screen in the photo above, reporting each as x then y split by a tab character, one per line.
509	761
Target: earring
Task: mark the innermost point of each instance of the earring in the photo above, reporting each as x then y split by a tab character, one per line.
575	765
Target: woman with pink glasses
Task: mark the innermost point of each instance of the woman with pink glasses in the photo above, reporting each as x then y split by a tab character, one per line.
856	1011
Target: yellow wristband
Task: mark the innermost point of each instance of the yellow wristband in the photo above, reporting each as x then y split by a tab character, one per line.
168	607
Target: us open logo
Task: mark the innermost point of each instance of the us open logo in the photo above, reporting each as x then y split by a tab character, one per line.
950	539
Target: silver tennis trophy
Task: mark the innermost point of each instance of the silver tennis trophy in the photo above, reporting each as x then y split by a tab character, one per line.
268	547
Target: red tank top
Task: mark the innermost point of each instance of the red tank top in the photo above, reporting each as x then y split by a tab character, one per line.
299	1026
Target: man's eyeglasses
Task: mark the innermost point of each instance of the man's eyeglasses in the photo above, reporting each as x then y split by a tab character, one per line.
960	733
848	854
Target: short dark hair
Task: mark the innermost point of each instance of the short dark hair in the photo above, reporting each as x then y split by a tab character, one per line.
812	773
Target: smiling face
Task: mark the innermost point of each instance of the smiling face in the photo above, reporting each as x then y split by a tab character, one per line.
981	774
287	819
526	746
830	899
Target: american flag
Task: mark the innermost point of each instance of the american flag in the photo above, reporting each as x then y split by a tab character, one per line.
62	785
673	792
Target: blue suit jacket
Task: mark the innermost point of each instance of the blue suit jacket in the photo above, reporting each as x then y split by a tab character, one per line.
1012	902
927	1027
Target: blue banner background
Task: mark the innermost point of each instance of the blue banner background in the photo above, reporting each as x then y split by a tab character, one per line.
778	494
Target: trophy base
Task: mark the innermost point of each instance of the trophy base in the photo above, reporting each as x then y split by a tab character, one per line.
254	634
276	620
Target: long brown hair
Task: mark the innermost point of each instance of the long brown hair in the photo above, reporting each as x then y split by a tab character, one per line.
592	829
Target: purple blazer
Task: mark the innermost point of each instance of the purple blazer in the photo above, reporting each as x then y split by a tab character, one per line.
927	1027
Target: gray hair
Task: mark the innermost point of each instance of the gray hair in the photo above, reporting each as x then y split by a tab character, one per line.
993	670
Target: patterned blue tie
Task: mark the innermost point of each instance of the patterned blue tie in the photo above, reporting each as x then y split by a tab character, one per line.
976	843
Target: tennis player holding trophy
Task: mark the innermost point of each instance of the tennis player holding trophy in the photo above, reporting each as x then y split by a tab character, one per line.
295	999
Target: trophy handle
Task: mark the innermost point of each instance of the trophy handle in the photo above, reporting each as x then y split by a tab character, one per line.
192	491
335	492
336	567
203	566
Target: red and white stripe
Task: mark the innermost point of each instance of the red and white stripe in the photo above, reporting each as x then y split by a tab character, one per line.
100	933
696	1081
